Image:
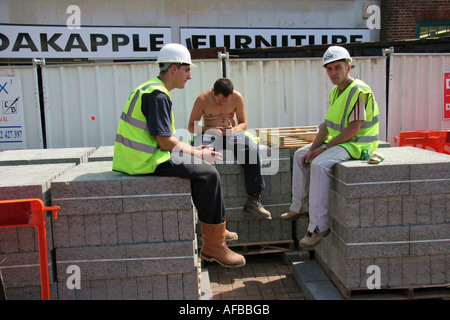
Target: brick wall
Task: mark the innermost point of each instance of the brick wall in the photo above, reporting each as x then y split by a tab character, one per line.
399	17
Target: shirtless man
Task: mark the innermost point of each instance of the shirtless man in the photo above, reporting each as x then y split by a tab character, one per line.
219	107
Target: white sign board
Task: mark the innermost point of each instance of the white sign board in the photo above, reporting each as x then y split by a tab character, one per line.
12	132
232	38
33	41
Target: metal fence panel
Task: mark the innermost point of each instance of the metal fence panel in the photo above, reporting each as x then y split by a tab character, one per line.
416	92
83	102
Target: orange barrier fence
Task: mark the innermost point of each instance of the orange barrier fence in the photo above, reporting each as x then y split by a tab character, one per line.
437	140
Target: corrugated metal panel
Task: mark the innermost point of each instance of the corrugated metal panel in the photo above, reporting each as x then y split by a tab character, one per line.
416	94
83	103
32	116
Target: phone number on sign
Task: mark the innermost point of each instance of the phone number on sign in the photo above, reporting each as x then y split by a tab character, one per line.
9	134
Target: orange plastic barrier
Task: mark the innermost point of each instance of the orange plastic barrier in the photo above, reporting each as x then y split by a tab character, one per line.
30	212
437	140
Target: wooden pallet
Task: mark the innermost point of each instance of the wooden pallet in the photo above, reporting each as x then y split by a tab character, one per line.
400	293
287	137
387	293
262	247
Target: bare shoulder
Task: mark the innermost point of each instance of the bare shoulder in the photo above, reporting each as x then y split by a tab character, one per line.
237	95
238	99
202	98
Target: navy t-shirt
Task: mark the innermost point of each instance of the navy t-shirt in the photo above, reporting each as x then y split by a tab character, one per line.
157	108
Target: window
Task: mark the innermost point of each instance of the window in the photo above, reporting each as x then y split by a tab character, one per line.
430	29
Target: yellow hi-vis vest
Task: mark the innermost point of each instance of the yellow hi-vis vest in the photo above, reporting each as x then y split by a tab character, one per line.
337	116
135	150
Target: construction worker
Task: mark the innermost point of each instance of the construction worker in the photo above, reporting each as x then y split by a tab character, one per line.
145	143
219	107
351	126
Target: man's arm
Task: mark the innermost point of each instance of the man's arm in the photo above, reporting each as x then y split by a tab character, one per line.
315	150
157	109
172	144
240	113
348	133
196	115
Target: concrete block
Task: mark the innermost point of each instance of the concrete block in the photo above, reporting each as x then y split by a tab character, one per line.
438	208
371	234
22	270
32	181
158	287
402	170
253	230
105	191
438	269
437	232
30	293
128	261
395	272
395	213
45	156
431	246
402	263
345	211
175	286
103	153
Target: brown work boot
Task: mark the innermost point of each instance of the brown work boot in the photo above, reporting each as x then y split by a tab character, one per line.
255	206
312	239
215	249
291	215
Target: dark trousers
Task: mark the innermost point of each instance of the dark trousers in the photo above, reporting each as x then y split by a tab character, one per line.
246	151
206	188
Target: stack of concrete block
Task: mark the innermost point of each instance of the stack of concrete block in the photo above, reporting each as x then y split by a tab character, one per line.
19	251
103	153
132	237
276	198
45	156
394	215
301	224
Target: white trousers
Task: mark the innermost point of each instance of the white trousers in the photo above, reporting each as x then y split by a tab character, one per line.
311	185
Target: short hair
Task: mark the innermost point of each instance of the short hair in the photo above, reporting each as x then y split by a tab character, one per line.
163	67
223	86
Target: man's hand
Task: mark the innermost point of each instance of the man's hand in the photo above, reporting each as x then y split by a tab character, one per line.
228	130
306	160
208	154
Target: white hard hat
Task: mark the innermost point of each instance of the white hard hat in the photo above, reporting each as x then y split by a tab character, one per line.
174	53
335	53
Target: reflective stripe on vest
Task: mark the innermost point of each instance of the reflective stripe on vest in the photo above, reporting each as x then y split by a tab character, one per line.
135	145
